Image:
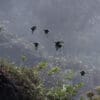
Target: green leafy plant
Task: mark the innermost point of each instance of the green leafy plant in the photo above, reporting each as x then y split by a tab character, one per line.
23	58
69	75
29	84
42	65
54	70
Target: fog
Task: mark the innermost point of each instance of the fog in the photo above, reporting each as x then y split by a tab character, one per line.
76	22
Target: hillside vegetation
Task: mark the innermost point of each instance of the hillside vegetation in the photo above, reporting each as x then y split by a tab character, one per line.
24	83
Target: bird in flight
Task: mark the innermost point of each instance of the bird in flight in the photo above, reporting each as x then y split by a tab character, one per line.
58	45
33	28
36	45
46	31
82	73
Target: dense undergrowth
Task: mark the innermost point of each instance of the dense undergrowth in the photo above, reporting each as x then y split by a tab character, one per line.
24	83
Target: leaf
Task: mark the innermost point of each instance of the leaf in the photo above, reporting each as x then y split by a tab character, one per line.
54	71
24	58
42	65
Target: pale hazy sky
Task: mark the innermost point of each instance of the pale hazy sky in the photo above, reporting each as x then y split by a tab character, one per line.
77	22
59	15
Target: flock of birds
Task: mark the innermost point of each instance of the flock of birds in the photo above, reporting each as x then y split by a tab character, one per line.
58	44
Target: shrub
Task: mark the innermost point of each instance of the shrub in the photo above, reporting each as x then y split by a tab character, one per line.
29	86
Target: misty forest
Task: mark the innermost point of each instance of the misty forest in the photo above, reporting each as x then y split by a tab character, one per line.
49	49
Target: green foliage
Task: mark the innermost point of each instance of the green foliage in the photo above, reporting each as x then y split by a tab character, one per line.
31	86
63	93
23	58
42	65
54	70
70	75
